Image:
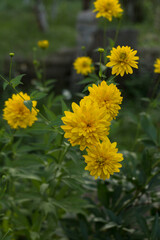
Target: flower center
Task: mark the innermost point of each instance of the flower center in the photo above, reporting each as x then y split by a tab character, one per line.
84	64
123	56
100	161
21	110
107	7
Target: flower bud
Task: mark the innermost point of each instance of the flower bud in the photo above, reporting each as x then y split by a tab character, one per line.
100	50
11	54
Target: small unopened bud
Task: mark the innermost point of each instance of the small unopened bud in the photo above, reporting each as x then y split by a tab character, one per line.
35	62
83	47
11	54
101	50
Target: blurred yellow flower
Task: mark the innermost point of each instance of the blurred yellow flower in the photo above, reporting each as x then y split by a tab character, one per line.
107	96
17	114
108	9
103	160
122	60
83	65
43	44
86	125
157	66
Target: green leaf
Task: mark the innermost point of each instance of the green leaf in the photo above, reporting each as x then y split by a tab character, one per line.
50	114
48	207
143	225
24	175
148	127
94	76
109	226
111	42
103	67
39	128
5	84
144	99
34	235
86	80
86	87
73	204
64	106
36	95
28	104
155	235
43	188
50	81
17	80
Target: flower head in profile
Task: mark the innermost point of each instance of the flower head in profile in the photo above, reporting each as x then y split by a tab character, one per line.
157	66
107	96
83	65
86	125
103	160
43	44
108	9
17	114
122	60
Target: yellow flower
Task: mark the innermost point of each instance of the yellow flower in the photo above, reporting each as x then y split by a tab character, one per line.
107	96
83	65
157	66
103	160
43	44
108	9
122	59
17	114
86	125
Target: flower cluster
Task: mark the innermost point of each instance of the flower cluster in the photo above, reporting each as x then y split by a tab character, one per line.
88	126
17	114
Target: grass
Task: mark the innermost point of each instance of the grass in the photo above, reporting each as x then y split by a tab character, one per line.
20	32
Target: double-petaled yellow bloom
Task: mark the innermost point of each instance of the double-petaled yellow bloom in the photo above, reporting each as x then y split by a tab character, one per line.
107	96
17	114
157	66
108	9
122	60
43	44
86	125
83	65
103	160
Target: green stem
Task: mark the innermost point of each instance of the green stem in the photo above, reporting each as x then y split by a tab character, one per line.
10	70
150	178
6	234
111	79
155	88
100	67
44	70
117	31
64	153
104	34
136	136
128	202
137	193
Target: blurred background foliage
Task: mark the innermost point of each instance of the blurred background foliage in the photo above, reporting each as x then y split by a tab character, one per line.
19	24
